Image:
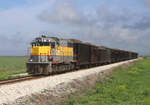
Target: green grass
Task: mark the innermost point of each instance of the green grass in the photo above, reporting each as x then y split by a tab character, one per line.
127	86
10	66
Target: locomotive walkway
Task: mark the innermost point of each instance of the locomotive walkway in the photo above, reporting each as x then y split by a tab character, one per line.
11	92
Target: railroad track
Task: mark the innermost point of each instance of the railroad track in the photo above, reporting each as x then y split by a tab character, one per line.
11	81
3	82
21	79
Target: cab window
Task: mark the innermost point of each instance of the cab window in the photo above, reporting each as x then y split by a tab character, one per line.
33	44
53	44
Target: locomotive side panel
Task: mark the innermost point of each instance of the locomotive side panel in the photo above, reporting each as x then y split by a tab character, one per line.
63	54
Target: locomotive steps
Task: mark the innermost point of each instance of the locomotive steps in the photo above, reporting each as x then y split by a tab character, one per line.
11	92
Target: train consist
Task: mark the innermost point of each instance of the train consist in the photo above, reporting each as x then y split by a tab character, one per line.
53	55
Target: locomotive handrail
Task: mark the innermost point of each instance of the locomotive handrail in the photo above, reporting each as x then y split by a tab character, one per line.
28	54
45	56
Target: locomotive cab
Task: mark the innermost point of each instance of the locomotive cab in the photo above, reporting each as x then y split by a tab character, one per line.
40	59
41	50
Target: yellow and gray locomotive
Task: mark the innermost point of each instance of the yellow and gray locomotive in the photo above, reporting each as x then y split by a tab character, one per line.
51	55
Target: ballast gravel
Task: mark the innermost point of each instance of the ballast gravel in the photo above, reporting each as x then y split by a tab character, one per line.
9	93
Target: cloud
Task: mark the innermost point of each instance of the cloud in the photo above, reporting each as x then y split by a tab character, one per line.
103	20
64	12
103	26
147	1
19	26
141	24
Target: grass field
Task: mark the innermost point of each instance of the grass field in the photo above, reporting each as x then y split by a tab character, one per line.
126	86
10	66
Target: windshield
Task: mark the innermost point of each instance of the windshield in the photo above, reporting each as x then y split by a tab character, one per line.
43	44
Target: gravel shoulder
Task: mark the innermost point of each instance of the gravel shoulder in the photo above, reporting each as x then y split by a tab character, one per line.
10	93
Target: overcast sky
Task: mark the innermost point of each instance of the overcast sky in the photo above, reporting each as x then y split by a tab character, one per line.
123	24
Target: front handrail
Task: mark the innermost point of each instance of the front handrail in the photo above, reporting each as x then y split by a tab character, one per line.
28	54
45	54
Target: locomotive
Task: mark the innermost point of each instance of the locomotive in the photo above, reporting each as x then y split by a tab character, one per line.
51	55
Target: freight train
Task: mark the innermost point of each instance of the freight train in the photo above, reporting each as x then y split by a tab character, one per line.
51	55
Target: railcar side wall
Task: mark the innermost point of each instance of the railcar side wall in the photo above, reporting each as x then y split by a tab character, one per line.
81	53
86	54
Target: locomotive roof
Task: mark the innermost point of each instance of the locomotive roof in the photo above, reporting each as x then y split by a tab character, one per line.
50	39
